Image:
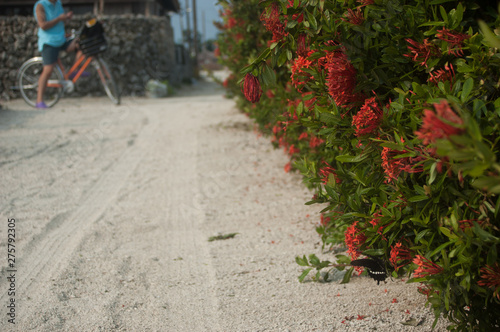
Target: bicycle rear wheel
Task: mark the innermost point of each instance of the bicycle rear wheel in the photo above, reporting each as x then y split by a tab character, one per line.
27	79
107	80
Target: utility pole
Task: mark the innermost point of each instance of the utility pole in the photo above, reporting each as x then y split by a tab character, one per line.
99	7
195	39
188	32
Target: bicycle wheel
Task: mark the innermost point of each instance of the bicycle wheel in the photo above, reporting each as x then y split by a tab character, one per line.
27	79
107	80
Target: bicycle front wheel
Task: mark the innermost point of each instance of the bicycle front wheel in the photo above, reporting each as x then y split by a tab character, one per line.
107	80
27	79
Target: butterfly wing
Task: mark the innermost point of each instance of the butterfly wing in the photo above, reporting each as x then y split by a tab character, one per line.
375	267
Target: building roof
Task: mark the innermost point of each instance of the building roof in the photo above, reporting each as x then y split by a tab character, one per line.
168	5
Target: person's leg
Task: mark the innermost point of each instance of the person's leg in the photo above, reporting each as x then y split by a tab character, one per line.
42	81
49	56
73	46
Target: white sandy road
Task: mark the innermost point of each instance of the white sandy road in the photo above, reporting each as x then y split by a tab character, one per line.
113	207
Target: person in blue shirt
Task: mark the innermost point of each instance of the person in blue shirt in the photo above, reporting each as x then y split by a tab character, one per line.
50	17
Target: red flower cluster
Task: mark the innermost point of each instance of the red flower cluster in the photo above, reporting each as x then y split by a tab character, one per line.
270	18
354	239
421	52
400	256
325	174
303	136
293	150
425	267
368	119
341	79
251	88
441	124
441	75
354	17
465	224
454	39
299	76
394	166
425	290
302	48
490	277
325	220
315	142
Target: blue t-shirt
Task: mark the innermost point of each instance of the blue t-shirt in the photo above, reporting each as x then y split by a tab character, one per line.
56	35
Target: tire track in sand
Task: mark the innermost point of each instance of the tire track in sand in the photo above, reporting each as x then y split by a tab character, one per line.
53	250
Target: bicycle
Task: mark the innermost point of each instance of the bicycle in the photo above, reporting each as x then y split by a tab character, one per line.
59	81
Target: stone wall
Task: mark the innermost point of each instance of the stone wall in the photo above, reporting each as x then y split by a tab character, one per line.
139	49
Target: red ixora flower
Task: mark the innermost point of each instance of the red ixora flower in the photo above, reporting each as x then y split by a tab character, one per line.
394	166
425	267
251	88
454	39
354	17
341	78
354	239
293	150
375	223
302	48
441	75
270	18
315	141
300	77
325	173
325	220
421	52
490	277
368	119
441	124
400	256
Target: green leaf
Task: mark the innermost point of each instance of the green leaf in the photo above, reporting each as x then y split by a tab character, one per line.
222	237
433	173
447	232
483	235
418	198
441	247
302	261
492	255
374	252
489	36
347	276
468	85
314	260
304	274
343	259
268	76
300	108
351	159
444	14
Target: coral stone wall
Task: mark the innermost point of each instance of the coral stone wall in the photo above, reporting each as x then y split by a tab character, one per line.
139	49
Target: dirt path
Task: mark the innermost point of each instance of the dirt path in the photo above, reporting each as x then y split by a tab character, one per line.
113	208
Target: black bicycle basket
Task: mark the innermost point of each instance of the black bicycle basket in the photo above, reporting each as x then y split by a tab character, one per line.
92	39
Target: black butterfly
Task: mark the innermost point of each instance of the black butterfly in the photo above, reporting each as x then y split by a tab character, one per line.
375	266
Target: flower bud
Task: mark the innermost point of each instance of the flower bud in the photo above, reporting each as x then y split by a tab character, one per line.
251	88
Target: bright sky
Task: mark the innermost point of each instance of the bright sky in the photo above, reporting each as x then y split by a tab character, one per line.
204	8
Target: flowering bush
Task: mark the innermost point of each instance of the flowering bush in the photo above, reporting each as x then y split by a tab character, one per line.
391	111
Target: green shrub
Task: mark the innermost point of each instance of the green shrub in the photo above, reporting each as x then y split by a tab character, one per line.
391	111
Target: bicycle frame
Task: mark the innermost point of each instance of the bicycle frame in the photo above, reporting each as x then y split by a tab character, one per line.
77	63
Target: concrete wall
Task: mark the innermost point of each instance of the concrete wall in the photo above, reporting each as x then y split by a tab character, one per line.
139	49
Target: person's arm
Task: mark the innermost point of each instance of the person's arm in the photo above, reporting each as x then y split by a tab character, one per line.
44	24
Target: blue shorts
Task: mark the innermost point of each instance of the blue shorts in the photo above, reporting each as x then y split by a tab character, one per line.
51	53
